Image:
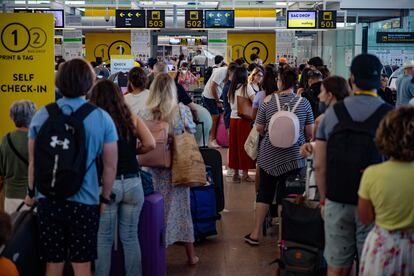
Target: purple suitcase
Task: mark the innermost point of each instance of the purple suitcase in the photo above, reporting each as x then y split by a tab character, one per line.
151	230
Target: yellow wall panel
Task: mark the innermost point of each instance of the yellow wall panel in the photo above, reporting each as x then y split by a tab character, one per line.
106	44
245	44
255	13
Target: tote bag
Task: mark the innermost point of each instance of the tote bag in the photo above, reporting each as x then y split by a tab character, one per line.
188	167
252	143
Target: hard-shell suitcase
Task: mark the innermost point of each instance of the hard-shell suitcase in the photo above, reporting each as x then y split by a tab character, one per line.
151	231
23	248
203	208
222	134
212	158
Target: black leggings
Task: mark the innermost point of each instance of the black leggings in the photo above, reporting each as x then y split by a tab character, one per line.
269	185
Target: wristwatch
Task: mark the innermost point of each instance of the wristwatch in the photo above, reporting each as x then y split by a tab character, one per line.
104	200
30	192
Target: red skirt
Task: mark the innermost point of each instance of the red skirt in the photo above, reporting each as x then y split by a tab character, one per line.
238	158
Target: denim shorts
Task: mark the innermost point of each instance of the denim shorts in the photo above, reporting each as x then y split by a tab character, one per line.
211	106
68	230
344	234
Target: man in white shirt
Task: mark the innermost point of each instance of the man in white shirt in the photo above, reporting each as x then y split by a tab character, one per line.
211	99
199	59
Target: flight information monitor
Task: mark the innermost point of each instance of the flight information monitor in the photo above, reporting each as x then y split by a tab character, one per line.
219	18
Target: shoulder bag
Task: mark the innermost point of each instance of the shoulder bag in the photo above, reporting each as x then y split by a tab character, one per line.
244	106
160	157
188	167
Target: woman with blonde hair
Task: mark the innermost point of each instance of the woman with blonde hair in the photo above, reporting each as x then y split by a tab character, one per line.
162	105
255	80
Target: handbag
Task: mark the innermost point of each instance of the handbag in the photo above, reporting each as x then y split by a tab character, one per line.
160	157
244	108
188	167
252	143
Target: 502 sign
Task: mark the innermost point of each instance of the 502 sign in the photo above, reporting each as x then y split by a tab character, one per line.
16	37
194	19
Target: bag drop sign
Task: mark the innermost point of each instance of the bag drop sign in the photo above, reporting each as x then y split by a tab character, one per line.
301	19
121	63
27	59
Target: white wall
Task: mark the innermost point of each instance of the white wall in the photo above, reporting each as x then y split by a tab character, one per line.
377	4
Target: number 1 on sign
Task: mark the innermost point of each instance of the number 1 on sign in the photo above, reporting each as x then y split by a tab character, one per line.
14	33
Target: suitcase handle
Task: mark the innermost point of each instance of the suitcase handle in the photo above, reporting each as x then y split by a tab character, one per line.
22	204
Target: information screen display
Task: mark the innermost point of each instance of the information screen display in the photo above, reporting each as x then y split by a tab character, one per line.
59	15
301	19
396	37
194	19
155	18
219	18
327	19
130	19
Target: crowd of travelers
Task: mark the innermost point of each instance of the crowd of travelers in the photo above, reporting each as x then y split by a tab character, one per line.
367	205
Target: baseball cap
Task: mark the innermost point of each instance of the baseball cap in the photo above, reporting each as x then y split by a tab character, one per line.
282	60
408	64
366	69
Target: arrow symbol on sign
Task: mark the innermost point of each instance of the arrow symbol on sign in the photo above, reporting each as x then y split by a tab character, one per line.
129	14
122	14
138	14
211	15
218	15
227	14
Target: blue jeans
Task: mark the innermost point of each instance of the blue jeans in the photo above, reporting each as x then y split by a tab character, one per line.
123	213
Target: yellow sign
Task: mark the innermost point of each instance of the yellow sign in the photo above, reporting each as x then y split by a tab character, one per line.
155	18
104	45
27	62
244	44
301	19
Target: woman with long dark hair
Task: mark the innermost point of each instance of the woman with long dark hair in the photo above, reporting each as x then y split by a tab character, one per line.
239	127
127	189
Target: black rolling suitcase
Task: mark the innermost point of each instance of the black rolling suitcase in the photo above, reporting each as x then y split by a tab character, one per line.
23	248
212	158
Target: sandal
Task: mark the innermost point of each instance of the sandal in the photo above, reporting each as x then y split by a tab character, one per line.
247	179
194	261
236	178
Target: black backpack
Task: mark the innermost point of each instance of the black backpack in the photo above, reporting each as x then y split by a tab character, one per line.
60	152
350	150
208	73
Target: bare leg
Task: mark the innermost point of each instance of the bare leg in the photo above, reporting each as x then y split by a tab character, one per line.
213	131
82	269
54	269
261	211
189	249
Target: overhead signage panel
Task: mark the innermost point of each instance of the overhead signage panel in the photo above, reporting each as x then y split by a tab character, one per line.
57	14
327	19
155	18
219	18
130	19
397	37
301	19
194	18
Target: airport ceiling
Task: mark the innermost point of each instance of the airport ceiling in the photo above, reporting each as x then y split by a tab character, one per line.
201	4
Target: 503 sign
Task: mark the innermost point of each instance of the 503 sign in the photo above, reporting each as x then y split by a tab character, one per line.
155	18
16	37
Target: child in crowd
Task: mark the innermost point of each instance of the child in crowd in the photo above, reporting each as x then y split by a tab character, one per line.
386	197
7	267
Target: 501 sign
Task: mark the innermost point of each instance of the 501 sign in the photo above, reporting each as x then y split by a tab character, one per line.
16	37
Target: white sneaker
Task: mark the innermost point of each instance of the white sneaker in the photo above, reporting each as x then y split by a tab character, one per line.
230	172
213	144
